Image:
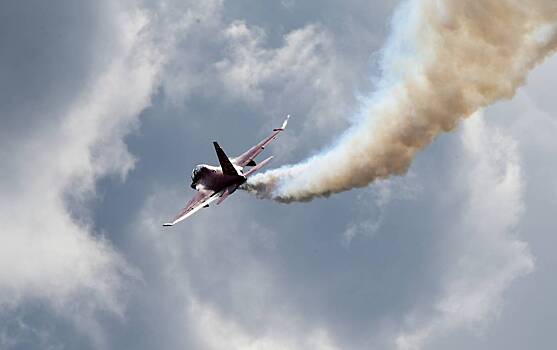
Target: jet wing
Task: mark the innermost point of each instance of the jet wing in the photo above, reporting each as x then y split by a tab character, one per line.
249	156
200	200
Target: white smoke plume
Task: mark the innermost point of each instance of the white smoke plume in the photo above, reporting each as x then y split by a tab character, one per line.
445	60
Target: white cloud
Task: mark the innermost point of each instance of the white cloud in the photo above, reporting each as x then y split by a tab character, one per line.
218	333
484	254
223	295
49	252
233	60
46	252
49	249
250	66
305	72
372	202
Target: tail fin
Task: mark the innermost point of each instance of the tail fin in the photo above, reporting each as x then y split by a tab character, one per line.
225	164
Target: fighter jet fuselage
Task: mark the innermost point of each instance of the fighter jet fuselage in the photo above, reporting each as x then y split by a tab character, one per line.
211	178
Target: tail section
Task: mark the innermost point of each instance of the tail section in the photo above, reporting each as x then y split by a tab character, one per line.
225	163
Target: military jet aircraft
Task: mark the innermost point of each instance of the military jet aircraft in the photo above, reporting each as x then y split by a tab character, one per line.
216	183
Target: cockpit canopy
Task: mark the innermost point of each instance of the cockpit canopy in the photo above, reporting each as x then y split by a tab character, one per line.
195	172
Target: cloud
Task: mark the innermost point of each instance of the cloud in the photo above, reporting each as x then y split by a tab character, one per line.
225	283
372	203
302	72
223	295
219	333
82	204
236	286
50	243
49	250
484	254
281	279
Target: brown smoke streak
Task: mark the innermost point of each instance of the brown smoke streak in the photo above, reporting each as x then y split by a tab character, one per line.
467	55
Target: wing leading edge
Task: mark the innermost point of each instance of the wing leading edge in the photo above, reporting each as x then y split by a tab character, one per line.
200	200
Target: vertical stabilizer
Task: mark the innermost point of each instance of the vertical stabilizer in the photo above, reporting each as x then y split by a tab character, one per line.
225	163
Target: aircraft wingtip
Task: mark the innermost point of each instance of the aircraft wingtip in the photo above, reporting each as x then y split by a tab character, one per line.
283	124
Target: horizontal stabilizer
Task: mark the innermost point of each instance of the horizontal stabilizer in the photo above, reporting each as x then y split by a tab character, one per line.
258	166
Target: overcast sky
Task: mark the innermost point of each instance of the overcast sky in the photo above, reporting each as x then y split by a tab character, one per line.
105	108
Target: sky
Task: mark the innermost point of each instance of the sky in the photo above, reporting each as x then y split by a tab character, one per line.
105	108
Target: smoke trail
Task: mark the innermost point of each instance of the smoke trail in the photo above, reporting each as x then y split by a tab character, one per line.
445	59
